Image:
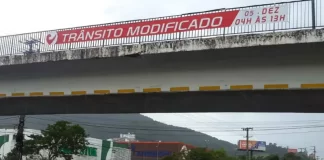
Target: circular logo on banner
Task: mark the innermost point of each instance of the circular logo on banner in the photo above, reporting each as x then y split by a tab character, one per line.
51	38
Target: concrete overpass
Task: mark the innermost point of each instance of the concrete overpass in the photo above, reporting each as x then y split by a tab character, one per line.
269	72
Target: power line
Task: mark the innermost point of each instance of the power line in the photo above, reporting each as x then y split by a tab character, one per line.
198	134
185	130
199	128
210	121
134	128
201	134
290	133
255	122
218	123
8	118
159	130
150	127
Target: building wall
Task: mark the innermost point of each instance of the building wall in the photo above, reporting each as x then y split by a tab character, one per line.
155	150
94	143
109	150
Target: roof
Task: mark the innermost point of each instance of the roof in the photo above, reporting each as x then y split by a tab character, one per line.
150	142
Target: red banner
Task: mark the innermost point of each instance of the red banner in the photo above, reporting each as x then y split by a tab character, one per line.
261	15
172	25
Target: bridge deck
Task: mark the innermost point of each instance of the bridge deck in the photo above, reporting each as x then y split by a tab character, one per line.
252	68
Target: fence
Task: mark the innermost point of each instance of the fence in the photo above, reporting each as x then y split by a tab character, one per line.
305	14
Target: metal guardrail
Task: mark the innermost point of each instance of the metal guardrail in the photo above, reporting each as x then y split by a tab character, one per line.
305	14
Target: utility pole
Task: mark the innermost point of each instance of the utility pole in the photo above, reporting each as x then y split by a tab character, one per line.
157	150
31	43
247	141
20	136
303	150
206	142
314	151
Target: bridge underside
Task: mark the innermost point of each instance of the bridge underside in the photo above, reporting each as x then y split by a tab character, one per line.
307	101
291	64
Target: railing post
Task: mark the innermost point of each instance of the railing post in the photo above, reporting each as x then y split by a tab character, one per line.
40	40
180	32
313	15
140	37
11	44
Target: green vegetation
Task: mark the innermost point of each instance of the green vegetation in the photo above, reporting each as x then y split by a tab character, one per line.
204	154
61	139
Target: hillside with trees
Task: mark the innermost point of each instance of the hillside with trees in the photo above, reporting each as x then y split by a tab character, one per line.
146	129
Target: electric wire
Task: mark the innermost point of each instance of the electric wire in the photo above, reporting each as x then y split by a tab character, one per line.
184	130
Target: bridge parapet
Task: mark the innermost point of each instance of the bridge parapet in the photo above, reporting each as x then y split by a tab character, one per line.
235	41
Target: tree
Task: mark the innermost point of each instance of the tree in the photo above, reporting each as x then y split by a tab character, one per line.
194	154
13	155
220	154
61	139
272	157
175	156
201	154
291	156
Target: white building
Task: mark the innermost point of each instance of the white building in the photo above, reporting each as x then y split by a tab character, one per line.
97	149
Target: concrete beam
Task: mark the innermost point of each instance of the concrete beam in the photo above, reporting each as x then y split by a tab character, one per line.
235	41
299	101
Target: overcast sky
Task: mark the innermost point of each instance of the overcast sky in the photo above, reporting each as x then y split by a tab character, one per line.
305	130
20	16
